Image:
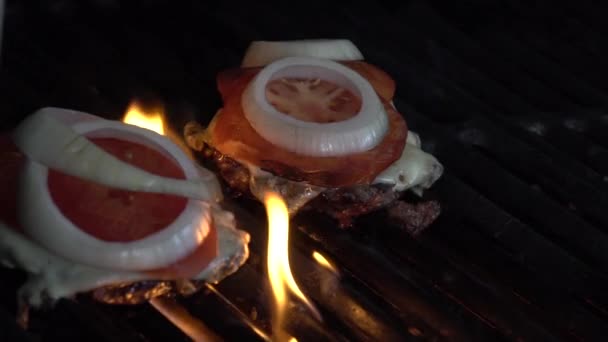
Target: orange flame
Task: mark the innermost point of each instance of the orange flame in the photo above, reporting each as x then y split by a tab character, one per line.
322	260
279	273
152	120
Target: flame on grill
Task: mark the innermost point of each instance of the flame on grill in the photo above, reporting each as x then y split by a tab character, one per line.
153	119
321	260
148	119
180	317
281	279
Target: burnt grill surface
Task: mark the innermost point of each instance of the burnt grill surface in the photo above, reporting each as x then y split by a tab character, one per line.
510	96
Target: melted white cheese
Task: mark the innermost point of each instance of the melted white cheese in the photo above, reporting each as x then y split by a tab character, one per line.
52	277
415	170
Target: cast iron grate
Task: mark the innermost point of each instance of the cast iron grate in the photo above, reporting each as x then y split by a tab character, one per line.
510	97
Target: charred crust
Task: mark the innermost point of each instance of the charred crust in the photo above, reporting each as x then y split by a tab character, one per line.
234	176
143	291
343	204
131	293
413	217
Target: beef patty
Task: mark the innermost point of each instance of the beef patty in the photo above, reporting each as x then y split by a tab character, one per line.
343	204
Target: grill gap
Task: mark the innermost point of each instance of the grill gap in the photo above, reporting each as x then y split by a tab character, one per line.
586	210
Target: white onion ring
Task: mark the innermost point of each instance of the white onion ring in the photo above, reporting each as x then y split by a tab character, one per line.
48	138
260	53
43	221
360	133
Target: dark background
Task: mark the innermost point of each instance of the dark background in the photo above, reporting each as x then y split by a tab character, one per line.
96	55
510	95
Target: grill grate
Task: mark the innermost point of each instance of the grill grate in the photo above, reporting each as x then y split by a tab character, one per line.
510	97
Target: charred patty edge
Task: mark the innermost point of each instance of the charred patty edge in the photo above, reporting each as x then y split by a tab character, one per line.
343	204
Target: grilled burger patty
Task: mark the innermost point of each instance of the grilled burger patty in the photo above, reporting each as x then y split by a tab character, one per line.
343	203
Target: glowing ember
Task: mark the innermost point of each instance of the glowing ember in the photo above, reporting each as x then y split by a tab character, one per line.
279	272
152	120
323	261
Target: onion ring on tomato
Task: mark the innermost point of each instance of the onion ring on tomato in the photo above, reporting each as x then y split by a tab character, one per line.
232	135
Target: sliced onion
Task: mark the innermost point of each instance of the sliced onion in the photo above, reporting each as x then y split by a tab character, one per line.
359	133
47	138
260	53
43	221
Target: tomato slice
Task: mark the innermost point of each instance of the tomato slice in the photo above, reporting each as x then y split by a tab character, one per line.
233	136
382	82
312	100
111	214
